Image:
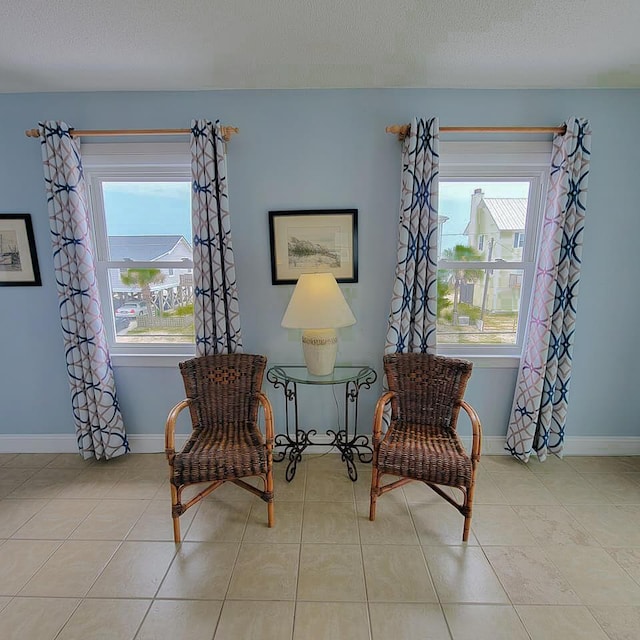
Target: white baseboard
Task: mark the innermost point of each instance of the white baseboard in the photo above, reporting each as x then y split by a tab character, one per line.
154	443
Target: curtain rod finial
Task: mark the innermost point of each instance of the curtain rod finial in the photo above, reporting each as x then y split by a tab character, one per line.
32	133
400	129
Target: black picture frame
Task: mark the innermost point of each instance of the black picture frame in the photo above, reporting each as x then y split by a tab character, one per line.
313	241
18	258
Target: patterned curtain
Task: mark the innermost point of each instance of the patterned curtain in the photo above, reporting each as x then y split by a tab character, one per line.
99	427
217	315
412	319
539	409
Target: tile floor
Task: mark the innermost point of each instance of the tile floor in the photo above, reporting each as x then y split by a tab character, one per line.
86	551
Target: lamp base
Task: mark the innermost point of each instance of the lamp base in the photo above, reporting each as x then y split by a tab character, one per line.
320	347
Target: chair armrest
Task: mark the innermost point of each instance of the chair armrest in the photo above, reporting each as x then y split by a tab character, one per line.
170	429
379	412
268	418
476	446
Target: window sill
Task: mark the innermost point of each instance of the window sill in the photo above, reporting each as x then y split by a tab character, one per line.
488	361
149	360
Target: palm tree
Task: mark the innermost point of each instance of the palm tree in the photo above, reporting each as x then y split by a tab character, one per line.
143	278
461	253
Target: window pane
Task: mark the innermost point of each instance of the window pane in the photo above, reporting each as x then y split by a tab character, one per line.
148	221
478	306
152	305
482	220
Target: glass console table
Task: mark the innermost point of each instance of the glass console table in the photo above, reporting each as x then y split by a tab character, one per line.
296	440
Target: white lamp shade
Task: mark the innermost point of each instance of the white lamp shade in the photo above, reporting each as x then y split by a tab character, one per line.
317	303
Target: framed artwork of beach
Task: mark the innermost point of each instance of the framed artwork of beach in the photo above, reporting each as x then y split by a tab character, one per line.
313	241
18	258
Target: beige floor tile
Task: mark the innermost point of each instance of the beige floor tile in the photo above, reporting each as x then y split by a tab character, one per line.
200	571
265	572
552	464
4	602
484	622
35	618
139	487
11	479
331	621
284	491
135	571
393	524
30	460
105	620
71	570
573	489
595	576
599	464
628	559
440	524
530	577
618	487
156	522
56	520
15	513
395	573
610	525
362	487
416	492
5	457
487	490
401	620
503	464
330	522
45	483
259	620
619	623
554	525
218	521
464	575
331	573
287	527
94	482
70	461
500	525
181	620
110	520
560	623
324	487
19	561
524	490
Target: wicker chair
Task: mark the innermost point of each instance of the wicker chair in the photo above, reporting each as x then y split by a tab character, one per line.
226	444
421	442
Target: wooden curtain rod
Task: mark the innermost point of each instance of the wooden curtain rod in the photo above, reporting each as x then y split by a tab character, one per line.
227	132
402	129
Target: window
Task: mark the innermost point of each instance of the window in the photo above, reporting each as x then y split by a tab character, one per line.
489	194
140	198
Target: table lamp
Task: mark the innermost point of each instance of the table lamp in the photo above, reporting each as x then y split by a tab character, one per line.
318	306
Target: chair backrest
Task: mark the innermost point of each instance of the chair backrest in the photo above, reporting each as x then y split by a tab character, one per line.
428	388
222	388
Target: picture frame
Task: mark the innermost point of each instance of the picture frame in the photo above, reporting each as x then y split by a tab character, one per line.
18	258
313	241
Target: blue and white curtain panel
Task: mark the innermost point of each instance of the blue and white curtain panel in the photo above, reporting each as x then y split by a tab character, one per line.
538	415
216	309
99	427
412	319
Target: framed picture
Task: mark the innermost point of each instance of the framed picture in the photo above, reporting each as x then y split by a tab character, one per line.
313	241
18	258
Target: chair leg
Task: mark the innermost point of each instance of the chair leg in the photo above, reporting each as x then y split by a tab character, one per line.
468	508
375	486
176	519
269	483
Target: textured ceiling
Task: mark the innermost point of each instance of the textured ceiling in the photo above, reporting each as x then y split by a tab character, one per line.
80	45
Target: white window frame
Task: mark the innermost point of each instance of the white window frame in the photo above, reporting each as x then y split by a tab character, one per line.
481	242
518	239
501	161
131	162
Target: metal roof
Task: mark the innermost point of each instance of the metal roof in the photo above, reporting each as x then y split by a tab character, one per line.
142	247
509	214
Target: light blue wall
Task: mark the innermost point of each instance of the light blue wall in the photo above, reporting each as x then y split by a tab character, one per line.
321	149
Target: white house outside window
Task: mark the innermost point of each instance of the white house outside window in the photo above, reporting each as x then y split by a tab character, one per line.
491	195
141	222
